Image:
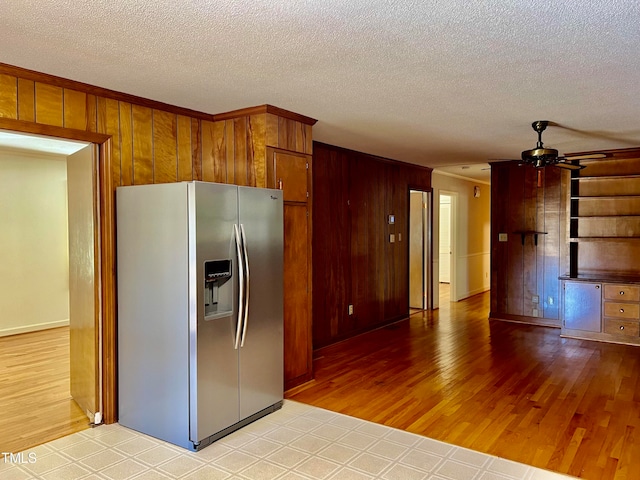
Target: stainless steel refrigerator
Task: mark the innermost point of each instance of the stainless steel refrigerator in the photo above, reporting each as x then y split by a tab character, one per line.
200	308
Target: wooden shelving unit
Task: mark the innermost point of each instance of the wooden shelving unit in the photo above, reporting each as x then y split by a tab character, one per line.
604	244
604	216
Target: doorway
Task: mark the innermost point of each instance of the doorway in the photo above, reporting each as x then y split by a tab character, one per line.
420	296
55	316
447	204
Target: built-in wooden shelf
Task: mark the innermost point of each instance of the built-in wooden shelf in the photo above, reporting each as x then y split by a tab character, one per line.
607	197
578	217
602	277
605	177
524	233
603	239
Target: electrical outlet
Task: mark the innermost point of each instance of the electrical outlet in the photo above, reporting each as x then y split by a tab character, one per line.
392	238
535	312
350	309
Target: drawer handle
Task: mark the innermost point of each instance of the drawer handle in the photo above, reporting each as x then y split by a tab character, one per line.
622	310
621	327
621	292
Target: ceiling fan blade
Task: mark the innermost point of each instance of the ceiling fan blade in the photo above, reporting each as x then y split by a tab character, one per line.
568	166
628	138
585	157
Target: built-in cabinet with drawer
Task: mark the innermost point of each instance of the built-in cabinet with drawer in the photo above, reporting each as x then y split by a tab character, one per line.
601	310
621	310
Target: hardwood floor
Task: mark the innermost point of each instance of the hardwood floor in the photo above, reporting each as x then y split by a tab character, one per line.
516	391
35	403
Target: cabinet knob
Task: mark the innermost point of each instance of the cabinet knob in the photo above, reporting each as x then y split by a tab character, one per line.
621	327
622	310
597	287
621	292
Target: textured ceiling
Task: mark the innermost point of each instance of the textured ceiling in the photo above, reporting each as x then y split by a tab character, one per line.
428	82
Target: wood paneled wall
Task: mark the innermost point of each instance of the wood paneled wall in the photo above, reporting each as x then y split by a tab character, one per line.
354	263
525	199
143	142
154	142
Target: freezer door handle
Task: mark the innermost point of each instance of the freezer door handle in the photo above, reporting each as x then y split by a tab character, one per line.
247	283
241	293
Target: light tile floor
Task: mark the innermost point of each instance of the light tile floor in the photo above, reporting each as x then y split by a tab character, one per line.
297	442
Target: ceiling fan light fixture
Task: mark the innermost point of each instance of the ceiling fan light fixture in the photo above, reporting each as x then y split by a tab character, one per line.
540	157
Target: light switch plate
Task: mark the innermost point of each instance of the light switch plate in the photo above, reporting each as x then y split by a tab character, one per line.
392	238
502	237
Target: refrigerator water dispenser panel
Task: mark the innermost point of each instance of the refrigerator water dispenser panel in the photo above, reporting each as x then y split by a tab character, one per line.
218	300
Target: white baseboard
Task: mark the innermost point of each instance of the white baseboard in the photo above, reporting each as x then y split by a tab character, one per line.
475	292
33	328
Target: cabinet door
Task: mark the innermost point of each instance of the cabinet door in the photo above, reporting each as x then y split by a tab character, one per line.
297	328
289	172
582	306
290	175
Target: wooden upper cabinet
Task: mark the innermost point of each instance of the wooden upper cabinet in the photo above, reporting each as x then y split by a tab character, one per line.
290	174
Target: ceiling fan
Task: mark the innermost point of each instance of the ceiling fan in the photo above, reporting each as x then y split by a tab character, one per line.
540	156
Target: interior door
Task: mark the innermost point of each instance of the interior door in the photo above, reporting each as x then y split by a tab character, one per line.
84	281
445	239
416	250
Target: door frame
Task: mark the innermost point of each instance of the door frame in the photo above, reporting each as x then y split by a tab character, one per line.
427	245
453	297
105	292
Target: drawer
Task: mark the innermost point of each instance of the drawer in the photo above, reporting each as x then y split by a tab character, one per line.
621	327
627	293
621	310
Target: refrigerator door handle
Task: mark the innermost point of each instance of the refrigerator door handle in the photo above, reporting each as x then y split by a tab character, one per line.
247	282
241	292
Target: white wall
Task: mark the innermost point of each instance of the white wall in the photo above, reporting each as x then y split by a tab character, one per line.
34	267
472	232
